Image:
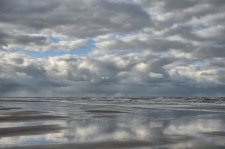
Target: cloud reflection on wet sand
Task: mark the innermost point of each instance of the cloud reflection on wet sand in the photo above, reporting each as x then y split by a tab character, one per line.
91	125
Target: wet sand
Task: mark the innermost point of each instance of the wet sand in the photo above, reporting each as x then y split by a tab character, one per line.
28	130
102	145
107	124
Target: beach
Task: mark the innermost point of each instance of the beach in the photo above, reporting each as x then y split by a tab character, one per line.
110	123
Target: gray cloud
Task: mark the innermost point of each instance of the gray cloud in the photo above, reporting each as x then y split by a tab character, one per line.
141	48
31	22
75	17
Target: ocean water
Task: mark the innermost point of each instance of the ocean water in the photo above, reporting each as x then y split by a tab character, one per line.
112	122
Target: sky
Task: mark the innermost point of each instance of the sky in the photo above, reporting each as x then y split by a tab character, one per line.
112	48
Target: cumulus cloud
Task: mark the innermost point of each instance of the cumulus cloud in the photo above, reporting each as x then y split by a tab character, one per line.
141	47
68	18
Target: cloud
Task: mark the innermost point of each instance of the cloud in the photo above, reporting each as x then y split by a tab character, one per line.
141	47
95	14
114	75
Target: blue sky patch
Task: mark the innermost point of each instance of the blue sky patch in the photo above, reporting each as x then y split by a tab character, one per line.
200	63
54	39
45	54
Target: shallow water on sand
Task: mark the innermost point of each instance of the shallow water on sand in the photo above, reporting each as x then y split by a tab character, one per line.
109	123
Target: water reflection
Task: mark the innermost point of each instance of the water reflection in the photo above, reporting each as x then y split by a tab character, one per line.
93	125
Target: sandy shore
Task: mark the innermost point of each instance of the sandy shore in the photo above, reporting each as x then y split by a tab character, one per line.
57	124
100	145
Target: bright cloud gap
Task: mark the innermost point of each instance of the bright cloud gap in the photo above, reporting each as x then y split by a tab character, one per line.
90	45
